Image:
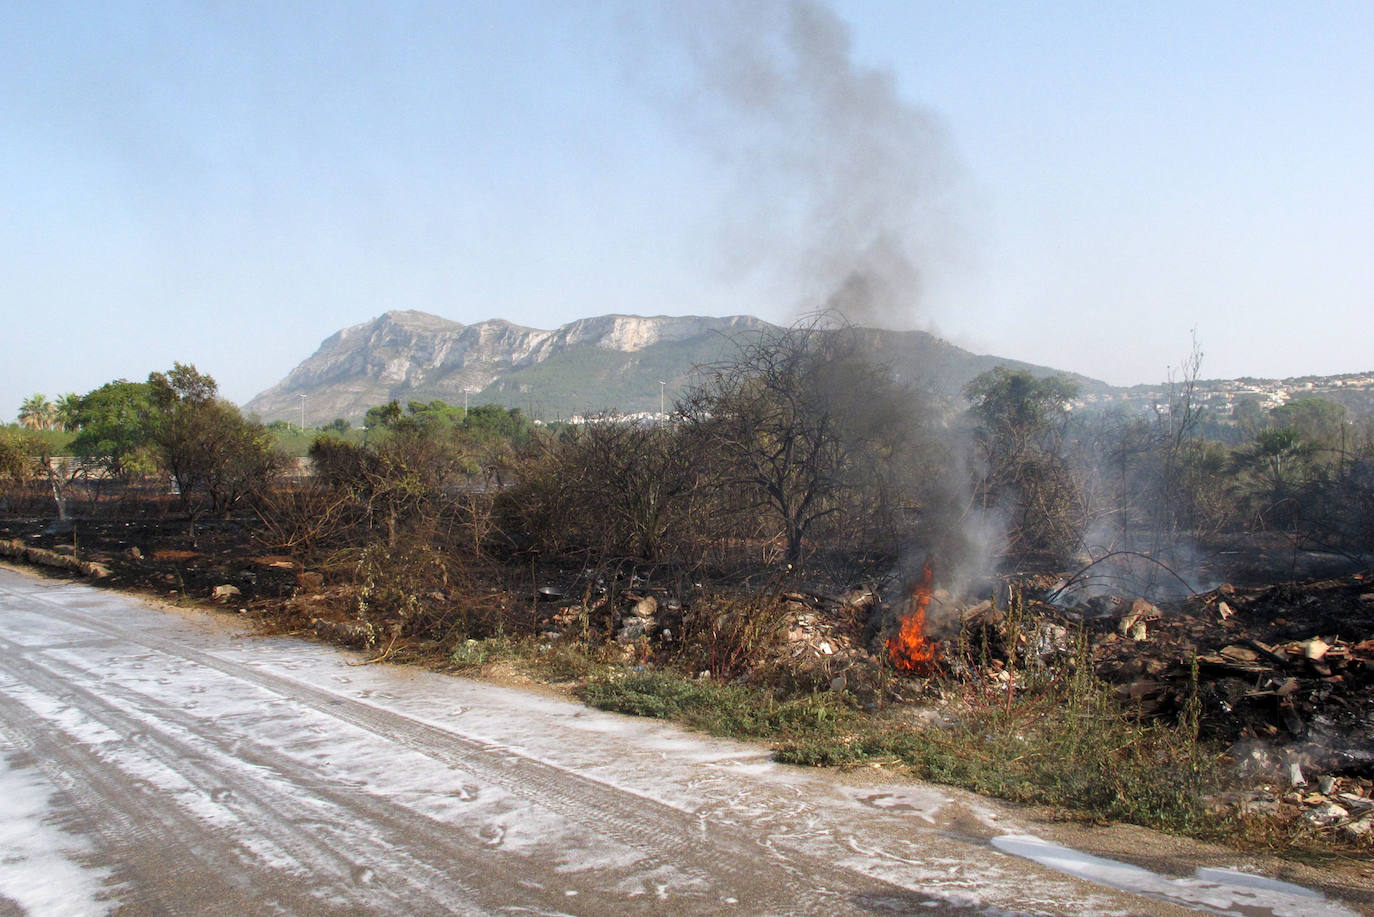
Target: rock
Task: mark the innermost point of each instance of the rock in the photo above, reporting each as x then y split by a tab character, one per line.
1295	777
1326	784
839	683
634	629
1359	830
1259	805
1242	654
1139	612
227	592
858	598
646	607
1138	632
1315	649
1328	814
99	571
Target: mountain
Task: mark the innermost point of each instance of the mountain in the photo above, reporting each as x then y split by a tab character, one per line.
612	362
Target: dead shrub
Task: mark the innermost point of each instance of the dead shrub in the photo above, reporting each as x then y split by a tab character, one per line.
416	590
735	635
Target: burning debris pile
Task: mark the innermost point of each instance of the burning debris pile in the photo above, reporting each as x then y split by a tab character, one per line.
911	648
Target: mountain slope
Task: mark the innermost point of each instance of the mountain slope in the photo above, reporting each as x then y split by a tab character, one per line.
611	362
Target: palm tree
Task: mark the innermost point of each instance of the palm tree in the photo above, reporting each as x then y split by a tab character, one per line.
36	413
66	411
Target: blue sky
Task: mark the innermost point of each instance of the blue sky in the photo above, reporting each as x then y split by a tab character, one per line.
1075	184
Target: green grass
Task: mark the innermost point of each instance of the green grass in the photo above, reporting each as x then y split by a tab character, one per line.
1061	744
733	710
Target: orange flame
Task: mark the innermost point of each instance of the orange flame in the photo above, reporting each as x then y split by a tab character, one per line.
909	649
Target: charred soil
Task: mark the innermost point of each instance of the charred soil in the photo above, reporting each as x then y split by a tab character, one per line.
1277	679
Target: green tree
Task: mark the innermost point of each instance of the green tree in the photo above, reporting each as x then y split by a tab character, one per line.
66	410
19	464
488	422
36	412
115	424
1317	422
215	456
382	416
1020	436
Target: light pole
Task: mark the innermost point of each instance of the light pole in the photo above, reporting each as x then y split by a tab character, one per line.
661	383
301	396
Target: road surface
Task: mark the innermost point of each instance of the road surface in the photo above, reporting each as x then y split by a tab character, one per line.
164	762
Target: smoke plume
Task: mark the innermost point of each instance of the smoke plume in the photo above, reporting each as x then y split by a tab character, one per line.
839	185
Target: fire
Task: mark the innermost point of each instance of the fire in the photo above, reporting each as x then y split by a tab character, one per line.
909	649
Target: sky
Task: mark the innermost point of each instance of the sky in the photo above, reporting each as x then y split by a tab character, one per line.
1083	185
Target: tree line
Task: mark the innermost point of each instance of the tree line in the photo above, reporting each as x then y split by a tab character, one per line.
797	451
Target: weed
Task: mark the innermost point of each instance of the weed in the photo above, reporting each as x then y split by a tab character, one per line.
734	710
1063	744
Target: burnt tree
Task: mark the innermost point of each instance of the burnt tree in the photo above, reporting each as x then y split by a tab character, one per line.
799	426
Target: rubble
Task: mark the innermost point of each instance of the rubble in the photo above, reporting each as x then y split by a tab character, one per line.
1285	674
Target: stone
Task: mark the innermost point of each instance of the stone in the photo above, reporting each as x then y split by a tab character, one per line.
1359	830
227	592
634	629
1328	814
1295	777
1139	612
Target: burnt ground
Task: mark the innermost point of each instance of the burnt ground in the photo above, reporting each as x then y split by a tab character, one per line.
163	558
1285	672
1283	666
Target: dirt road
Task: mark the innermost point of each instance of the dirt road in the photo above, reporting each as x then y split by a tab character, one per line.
160	762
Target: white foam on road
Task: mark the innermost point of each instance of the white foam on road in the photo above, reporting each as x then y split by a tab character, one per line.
40	864
1221	891
223	728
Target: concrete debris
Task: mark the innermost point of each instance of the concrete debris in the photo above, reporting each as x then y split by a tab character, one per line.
1326	814
1136	617
1295	777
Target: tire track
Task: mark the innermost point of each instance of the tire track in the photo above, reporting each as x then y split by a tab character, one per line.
421	858
663	836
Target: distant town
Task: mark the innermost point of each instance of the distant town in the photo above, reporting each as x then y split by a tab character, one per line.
1223	397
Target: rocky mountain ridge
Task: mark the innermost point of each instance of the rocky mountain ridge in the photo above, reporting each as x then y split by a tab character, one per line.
410	355
630	364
